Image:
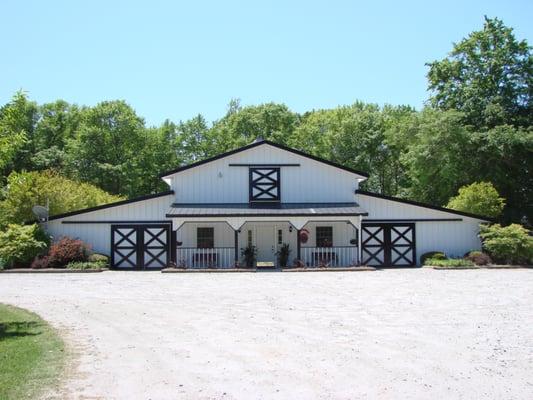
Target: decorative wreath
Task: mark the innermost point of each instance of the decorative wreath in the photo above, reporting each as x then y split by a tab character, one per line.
304	236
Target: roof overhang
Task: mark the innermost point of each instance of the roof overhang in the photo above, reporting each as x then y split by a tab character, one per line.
278	210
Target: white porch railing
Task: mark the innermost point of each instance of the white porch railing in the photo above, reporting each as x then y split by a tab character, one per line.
216	257
338	256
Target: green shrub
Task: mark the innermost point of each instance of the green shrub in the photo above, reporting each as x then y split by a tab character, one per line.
510	244
478	258
283	255
478	198
100	258
83	265
20	244
450	262
437	255
249	253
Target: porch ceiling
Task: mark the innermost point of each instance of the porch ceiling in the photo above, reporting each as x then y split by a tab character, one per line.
181	210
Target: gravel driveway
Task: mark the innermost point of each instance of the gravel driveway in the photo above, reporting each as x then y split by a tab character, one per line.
395	334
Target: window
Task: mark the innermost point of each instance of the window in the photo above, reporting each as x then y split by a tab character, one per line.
205	238
324	236
264	185
249	238
280	236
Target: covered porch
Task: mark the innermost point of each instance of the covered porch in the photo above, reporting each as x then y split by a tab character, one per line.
316	237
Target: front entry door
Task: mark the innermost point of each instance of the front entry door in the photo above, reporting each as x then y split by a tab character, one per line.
266	250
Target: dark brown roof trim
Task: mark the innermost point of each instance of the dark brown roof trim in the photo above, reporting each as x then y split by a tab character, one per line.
266	215
109	205
425	205
264	165
259	143
414	220
134	221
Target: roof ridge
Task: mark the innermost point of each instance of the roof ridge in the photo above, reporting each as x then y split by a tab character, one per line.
259	143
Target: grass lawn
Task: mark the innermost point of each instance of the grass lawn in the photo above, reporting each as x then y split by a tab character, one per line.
31	354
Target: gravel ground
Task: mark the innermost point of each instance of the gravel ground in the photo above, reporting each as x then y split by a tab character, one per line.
395	334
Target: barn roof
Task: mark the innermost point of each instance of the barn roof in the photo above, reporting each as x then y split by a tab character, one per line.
264	210
260	142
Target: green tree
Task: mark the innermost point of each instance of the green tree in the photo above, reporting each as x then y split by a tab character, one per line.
504	156
242	125
478	198
159	153
58	123
107	149
192	140
17	124
488	76
26	189
438	159
361	136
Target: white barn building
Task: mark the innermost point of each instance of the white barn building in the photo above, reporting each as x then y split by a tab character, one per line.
266	195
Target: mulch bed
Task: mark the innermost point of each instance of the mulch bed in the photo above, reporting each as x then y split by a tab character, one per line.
49	271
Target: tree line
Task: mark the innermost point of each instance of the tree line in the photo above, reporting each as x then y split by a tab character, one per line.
476	127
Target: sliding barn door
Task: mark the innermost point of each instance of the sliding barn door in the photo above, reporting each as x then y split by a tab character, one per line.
389	245
140	246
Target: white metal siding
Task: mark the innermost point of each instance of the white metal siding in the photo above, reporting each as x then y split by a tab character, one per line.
455	238
224	234
217	182
99	235
342	233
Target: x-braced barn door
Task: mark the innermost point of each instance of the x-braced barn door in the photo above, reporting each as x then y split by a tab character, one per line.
388	245
140	246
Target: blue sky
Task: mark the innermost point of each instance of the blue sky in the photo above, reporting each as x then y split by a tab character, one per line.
176	59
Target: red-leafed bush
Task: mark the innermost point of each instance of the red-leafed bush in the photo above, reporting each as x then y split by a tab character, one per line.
67	250
40	262
478	258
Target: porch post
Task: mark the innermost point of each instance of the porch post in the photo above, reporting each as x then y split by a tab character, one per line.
298	244
173	245
236	246
360	241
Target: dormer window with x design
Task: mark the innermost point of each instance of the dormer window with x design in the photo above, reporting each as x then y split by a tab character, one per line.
265	185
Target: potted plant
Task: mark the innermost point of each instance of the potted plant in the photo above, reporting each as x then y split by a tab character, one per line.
283	255
249	253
